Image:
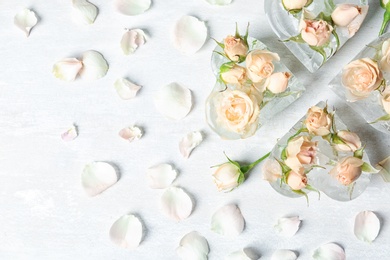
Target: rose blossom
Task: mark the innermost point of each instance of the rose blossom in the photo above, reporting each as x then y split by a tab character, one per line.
385	60
315	33
236	75
259	64
318	121
278	82
385	100
344	14
300	151
226	176
297	181
350	142
360	78
271	170
294	4
235	47
347	170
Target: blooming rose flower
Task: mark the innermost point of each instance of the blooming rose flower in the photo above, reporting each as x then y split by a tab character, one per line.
235	47
360	78
259	64
294	4
348	141
238	112
271	170
318	121
315	33
347	170
300	151
236	75
385	60
344	14
297	181
278	82
226	176
385	100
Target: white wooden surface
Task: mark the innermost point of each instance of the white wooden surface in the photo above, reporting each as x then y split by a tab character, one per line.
45	214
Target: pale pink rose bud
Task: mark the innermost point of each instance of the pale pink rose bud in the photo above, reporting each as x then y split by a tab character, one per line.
296	181
259	64
294	4
344	14
272	171
355	24
300	151
226	176
385	100
315	33
236	75
385	60
347	170
235	47
348	141
278	82
318	121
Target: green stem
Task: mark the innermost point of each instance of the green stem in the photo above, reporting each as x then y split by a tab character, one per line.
386	19
247	168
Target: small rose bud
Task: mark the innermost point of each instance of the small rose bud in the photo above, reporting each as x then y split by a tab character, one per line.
236	75
347	141
347	170
294	4
226	176
297	181
344	14
318	121
315	33
235	47
278	82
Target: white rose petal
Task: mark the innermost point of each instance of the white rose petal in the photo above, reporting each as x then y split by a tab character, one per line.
367	226
161	176
127	232
176	204
132	7
131	133
131	40
97	177
193	246
67	69
284	254
288	226
243	254
330	251
189	142
219	2
126	89
173	101
84	11
70	134
25	20
228	221
94	66
189	35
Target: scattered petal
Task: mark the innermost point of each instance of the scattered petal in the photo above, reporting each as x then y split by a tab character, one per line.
193	246
367	226
126	89
219	2
127	232
284	254
161	176
85	11
189	142
131	133
131	40
70	134
173	101
94	66
189	35
288	226
176	204
132	7
330	251
97	177
243	254
228	221
67	69
26	20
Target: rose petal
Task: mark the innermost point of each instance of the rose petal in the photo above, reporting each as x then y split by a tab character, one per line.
161	176
176	204
228	221
367	226
243	254
127	232
330	251
84	11
97	177
132	7
219	2
67	69
70	134
126	89
384	169
131	40
94	66
271	169
288	226
189	142
284	254
189	35
173	101
25	20
131	133
193	246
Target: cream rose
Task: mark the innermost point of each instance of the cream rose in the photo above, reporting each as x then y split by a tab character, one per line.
315	33
236	75
318	121
385	99
384	63
226	176
360	78
346	141
300	151
350	16
278	82
238	112
235	47
272	171
297	181
259	64
294	4
347	170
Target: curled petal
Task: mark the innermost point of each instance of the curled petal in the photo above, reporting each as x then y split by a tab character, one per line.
189	35
189	142
329	251
131	40
126	89
67	69
131	133
70	134
219	2
132	7
161	176
97	177
288	226
193	246
25	20
173	101
228	221
127	232
367	226
243	254
284	254
94	66
85	11
176	204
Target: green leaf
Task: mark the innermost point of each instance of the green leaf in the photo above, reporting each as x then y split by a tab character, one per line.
226	67
382	118
321	51
297	39
222	54
241	178
359	153
283	155
246	34
232	162
311	188
309	3
220	44
368	168
300	192
301	130
386	19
